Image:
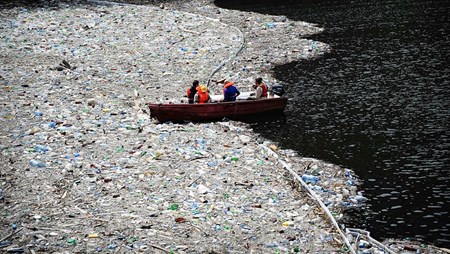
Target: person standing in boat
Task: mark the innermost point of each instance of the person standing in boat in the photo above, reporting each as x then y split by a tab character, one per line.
261	89
202	95
191	91
230	92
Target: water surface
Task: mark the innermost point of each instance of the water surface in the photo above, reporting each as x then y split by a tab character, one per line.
378	103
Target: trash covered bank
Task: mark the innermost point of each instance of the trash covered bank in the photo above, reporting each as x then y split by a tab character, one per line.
84	169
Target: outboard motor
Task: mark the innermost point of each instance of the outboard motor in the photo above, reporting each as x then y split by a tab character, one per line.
277	89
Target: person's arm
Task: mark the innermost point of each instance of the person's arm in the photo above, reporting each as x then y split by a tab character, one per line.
258	92
225	95
196	98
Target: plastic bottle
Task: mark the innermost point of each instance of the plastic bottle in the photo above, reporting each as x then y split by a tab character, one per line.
72	241
201	141
310	178
317	188
39	164
271	245
15	250
212	163
348	174
40	148
173	207
364	244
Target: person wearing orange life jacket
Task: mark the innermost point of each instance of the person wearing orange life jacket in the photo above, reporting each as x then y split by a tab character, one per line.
202	95
191	91
261	89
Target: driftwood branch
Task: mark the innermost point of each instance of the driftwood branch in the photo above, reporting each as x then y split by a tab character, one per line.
8	236
159	248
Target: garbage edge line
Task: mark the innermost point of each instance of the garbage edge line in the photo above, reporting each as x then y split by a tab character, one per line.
352	231
313	194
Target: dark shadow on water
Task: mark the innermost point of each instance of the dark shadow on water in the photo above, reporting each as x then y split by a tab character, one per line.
30	4
377	103
278	117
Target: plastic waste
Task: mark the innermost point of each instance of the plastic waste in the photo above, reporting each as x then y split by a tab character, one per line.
5	244
364	244
270	25
173	207
41	148
271	245
72	241
15	250
212	163
310	178
112	163
36	163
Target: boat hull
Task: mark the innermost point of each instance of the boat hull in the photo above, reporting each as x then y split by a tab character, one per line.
235	110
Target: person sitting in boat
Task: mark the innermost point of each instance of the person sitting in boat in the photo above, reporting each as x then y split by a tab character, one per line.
202	95
191	91
230	92
261	89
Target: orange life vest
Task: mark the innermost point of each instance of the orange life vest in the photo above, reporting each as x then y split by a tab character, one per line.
264	90
203	97
228	84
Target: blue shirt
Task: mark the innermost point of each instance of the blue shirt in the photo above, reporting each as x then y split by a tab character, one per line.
230	93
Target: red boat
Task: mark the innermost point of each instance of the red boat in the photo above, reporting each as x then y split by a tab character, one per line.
235	110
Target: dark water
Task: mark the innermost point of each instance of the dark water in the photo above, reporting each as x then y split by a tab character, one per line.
379	104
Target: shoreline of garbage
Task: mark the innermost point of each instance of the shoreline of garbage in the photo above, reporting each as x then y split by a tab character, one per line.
85	169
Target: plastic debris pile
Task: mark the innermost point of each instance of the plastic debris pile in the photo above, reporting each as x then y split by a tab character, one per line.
84	169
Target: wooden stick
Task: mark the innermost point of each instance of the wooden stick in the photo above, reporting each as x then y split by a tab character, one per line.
118	250
190	31
198	228
194	181
8	236
98	219
196	158
51	229
64	194
159	248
